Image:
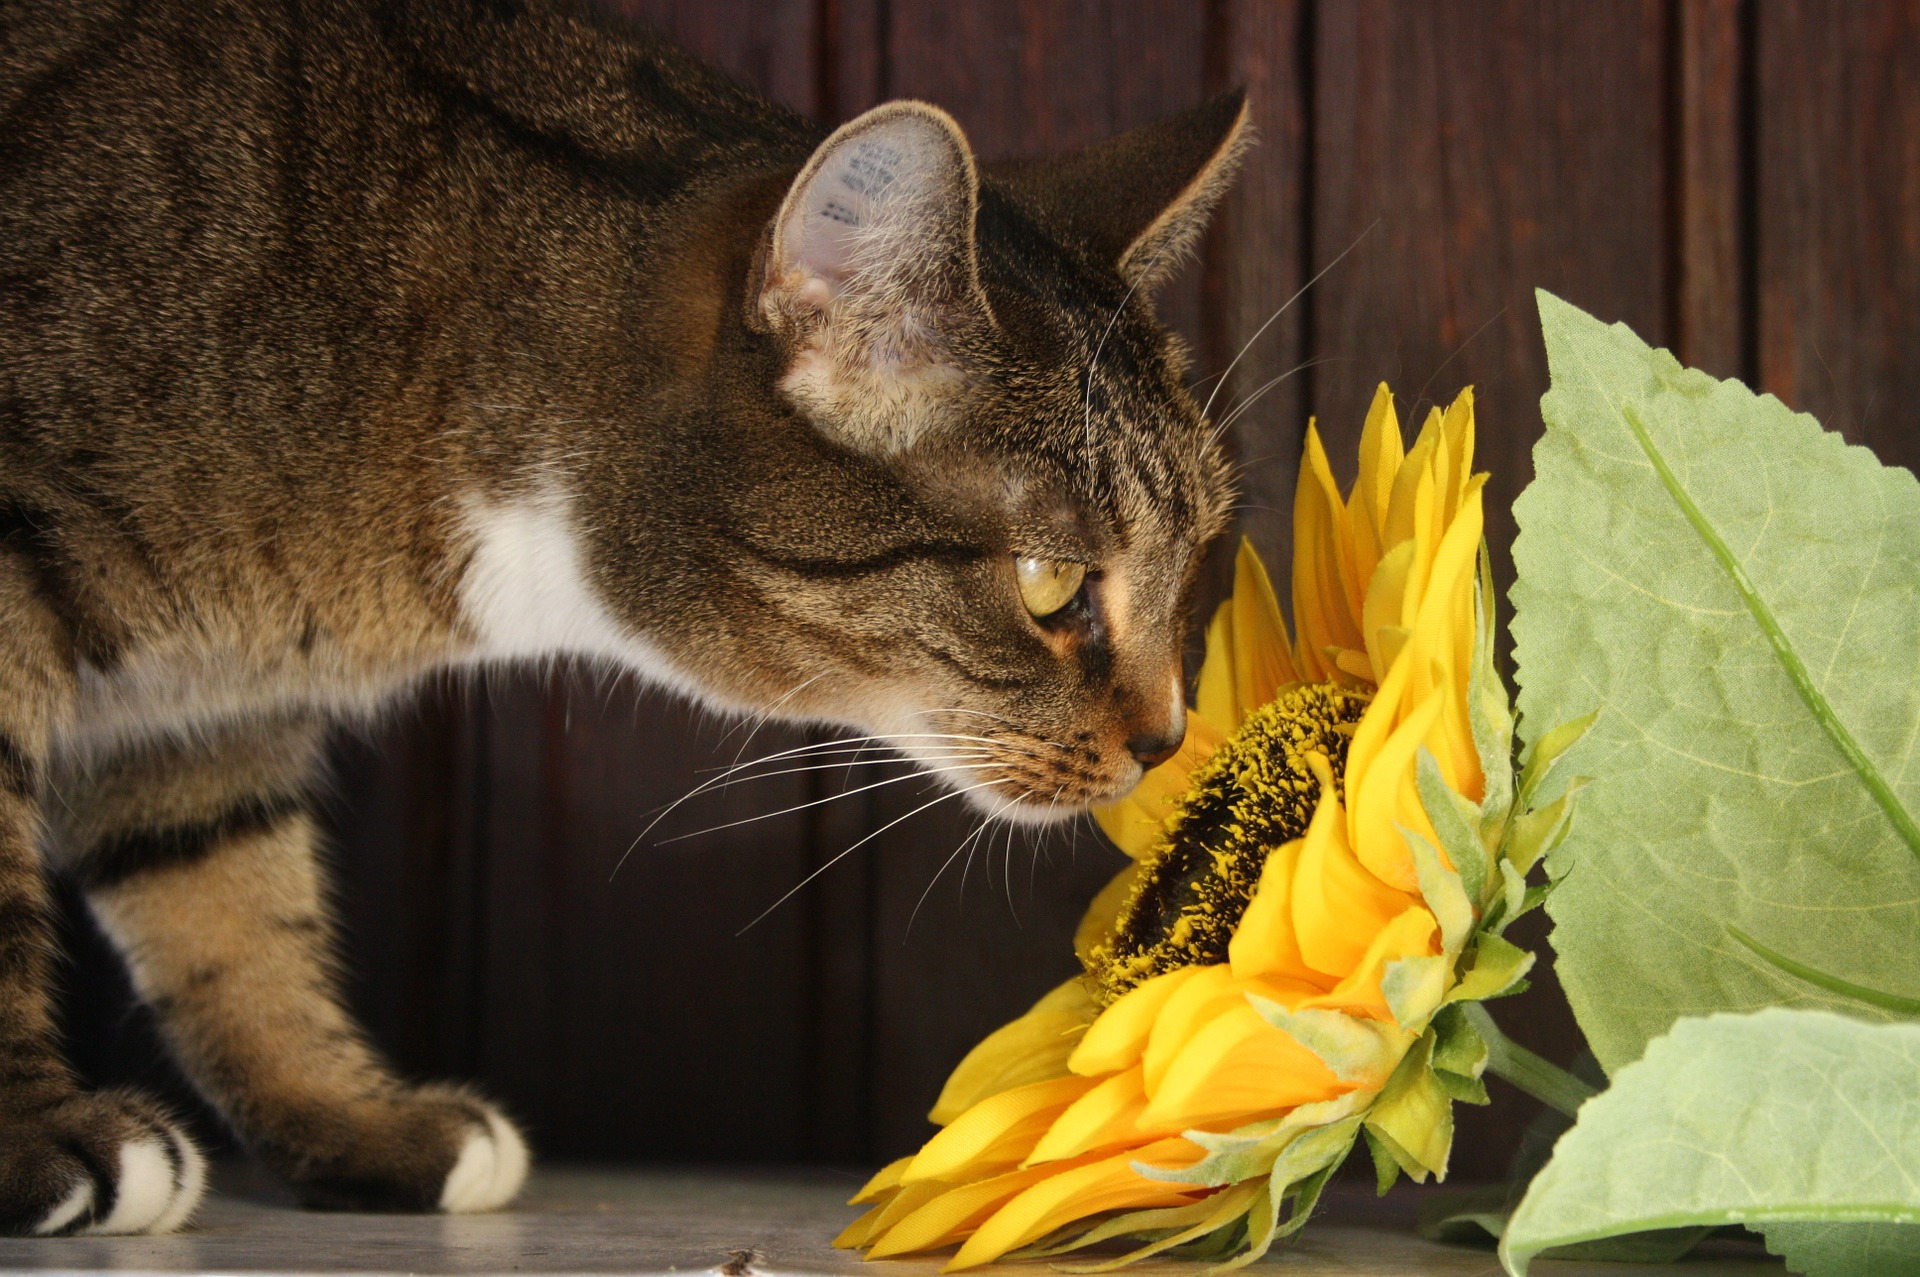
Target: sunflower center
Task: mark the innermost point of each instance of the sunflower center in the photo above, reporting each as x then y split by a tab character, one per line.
1254	794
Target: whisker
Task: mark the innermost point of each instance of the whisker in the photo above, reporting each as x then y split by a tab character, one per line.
1473	337
1208	407
707	785
840	856
835	797
765	716
1234	413
914	916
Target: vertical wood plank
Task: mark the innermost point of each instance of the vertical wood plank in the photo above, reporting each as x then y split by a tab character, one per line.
1492	148
1712	310
1253	267
1839	216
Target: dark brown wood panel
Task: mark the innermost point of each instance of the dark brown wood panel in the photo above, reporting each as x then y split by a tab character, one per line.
1838	208
1254	331
1709	246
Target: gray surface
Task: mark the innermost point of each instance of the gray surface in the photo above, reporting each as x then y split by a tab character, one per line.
654	1222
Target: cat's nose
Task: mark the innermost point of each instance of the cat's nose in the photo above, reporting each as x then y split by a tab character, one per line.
1155	743
1154	748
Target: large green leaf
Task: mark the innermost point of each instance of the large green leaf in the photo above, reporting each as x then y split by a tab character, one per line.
1719	799
1776	1116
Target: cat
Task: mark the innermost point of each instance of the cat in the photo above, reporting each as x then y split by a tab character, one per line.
342	341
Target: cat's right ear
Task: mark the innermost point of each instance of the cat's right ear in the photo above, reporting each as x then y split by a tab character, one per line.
870	274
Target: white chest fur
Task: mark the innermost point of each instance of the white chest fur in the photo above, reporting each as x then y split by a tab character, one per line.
526	594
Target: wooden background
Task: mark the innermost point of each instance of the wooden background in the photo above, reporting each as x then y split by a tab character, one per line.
1740	181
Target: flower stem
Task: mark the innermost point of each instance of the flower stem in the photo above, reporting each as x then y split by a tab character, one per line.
1544	1081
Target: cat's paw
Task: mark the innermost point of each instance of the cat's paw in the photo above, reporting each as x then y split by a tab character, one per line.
112	1162
427	1149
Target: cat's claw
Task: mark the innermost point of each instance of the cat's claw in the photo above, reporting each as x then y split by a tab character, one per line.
490	1170
98	1165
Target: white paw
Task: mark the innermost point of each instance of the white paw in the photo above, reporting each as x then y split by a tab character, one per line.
159	1182
489	1171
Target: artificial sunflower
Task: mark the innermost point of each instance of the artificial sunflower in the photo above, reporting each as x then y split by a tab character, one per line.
1318	886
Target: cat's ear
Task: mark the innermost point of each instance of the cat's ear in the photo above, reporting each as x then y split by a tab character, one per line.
1142	199
870	275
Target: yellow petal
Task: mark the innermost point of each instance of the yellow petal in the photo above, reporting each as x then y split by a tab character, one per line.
1381	453
1032	1048
1399	521
909	1198
1262	661
1326	596
1103	1118
1096	925
1216	695
1386	796
1195	1002
1108	1184
953	1213
1264	943
1338	904
1119	1037
887	1178
996	1134
1414	933
1388	617
1237	1069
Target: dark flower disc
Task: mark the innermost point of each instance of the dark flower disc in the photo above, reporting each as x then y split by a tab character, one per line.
1253	795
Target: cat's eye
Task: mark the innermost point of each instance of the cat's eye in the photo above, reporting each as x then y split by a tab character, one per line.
1047	585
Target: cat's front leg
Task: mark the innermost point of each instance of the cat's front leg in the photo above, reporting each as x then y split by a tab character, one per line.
70	1161
198	858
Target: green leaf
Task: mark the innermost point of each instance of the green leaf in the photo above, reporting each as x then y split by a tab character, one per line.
1797	1118
1859	992
1719	796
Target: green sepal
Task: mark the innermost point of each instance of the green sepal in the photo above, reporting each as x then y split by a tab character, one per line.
1545	753
1359	1051
1459	1056
1462	1090
1255	1149
1498	965
1415	987
1386	1161
1457	821
1513	899
1457	1045
1539	831
1264	1230
1177	1226
1414	1115
1443	892
1489	713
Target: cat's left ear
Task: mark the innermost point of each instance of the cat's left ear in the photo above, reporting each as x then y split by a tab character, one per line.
1142	199
871	277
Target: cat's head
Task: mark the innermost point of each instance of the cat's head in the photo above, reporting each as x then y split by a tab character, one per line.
968	492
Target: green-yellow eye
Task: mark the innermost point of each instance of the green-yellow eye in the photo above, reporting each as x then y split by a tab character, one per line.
1047	585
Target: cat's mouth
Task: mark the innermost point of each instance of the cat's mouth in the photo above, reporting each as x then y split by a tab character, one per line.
1021	777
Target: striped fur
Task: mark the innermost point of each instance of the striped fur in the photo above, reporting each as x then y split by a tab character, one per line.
342	341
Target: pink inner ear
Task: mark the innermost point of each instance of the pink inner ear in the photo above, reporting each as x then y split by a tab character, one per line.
876	202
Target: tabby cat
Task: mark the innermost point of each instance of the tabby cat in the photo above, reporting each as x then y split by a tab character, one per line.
342	341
